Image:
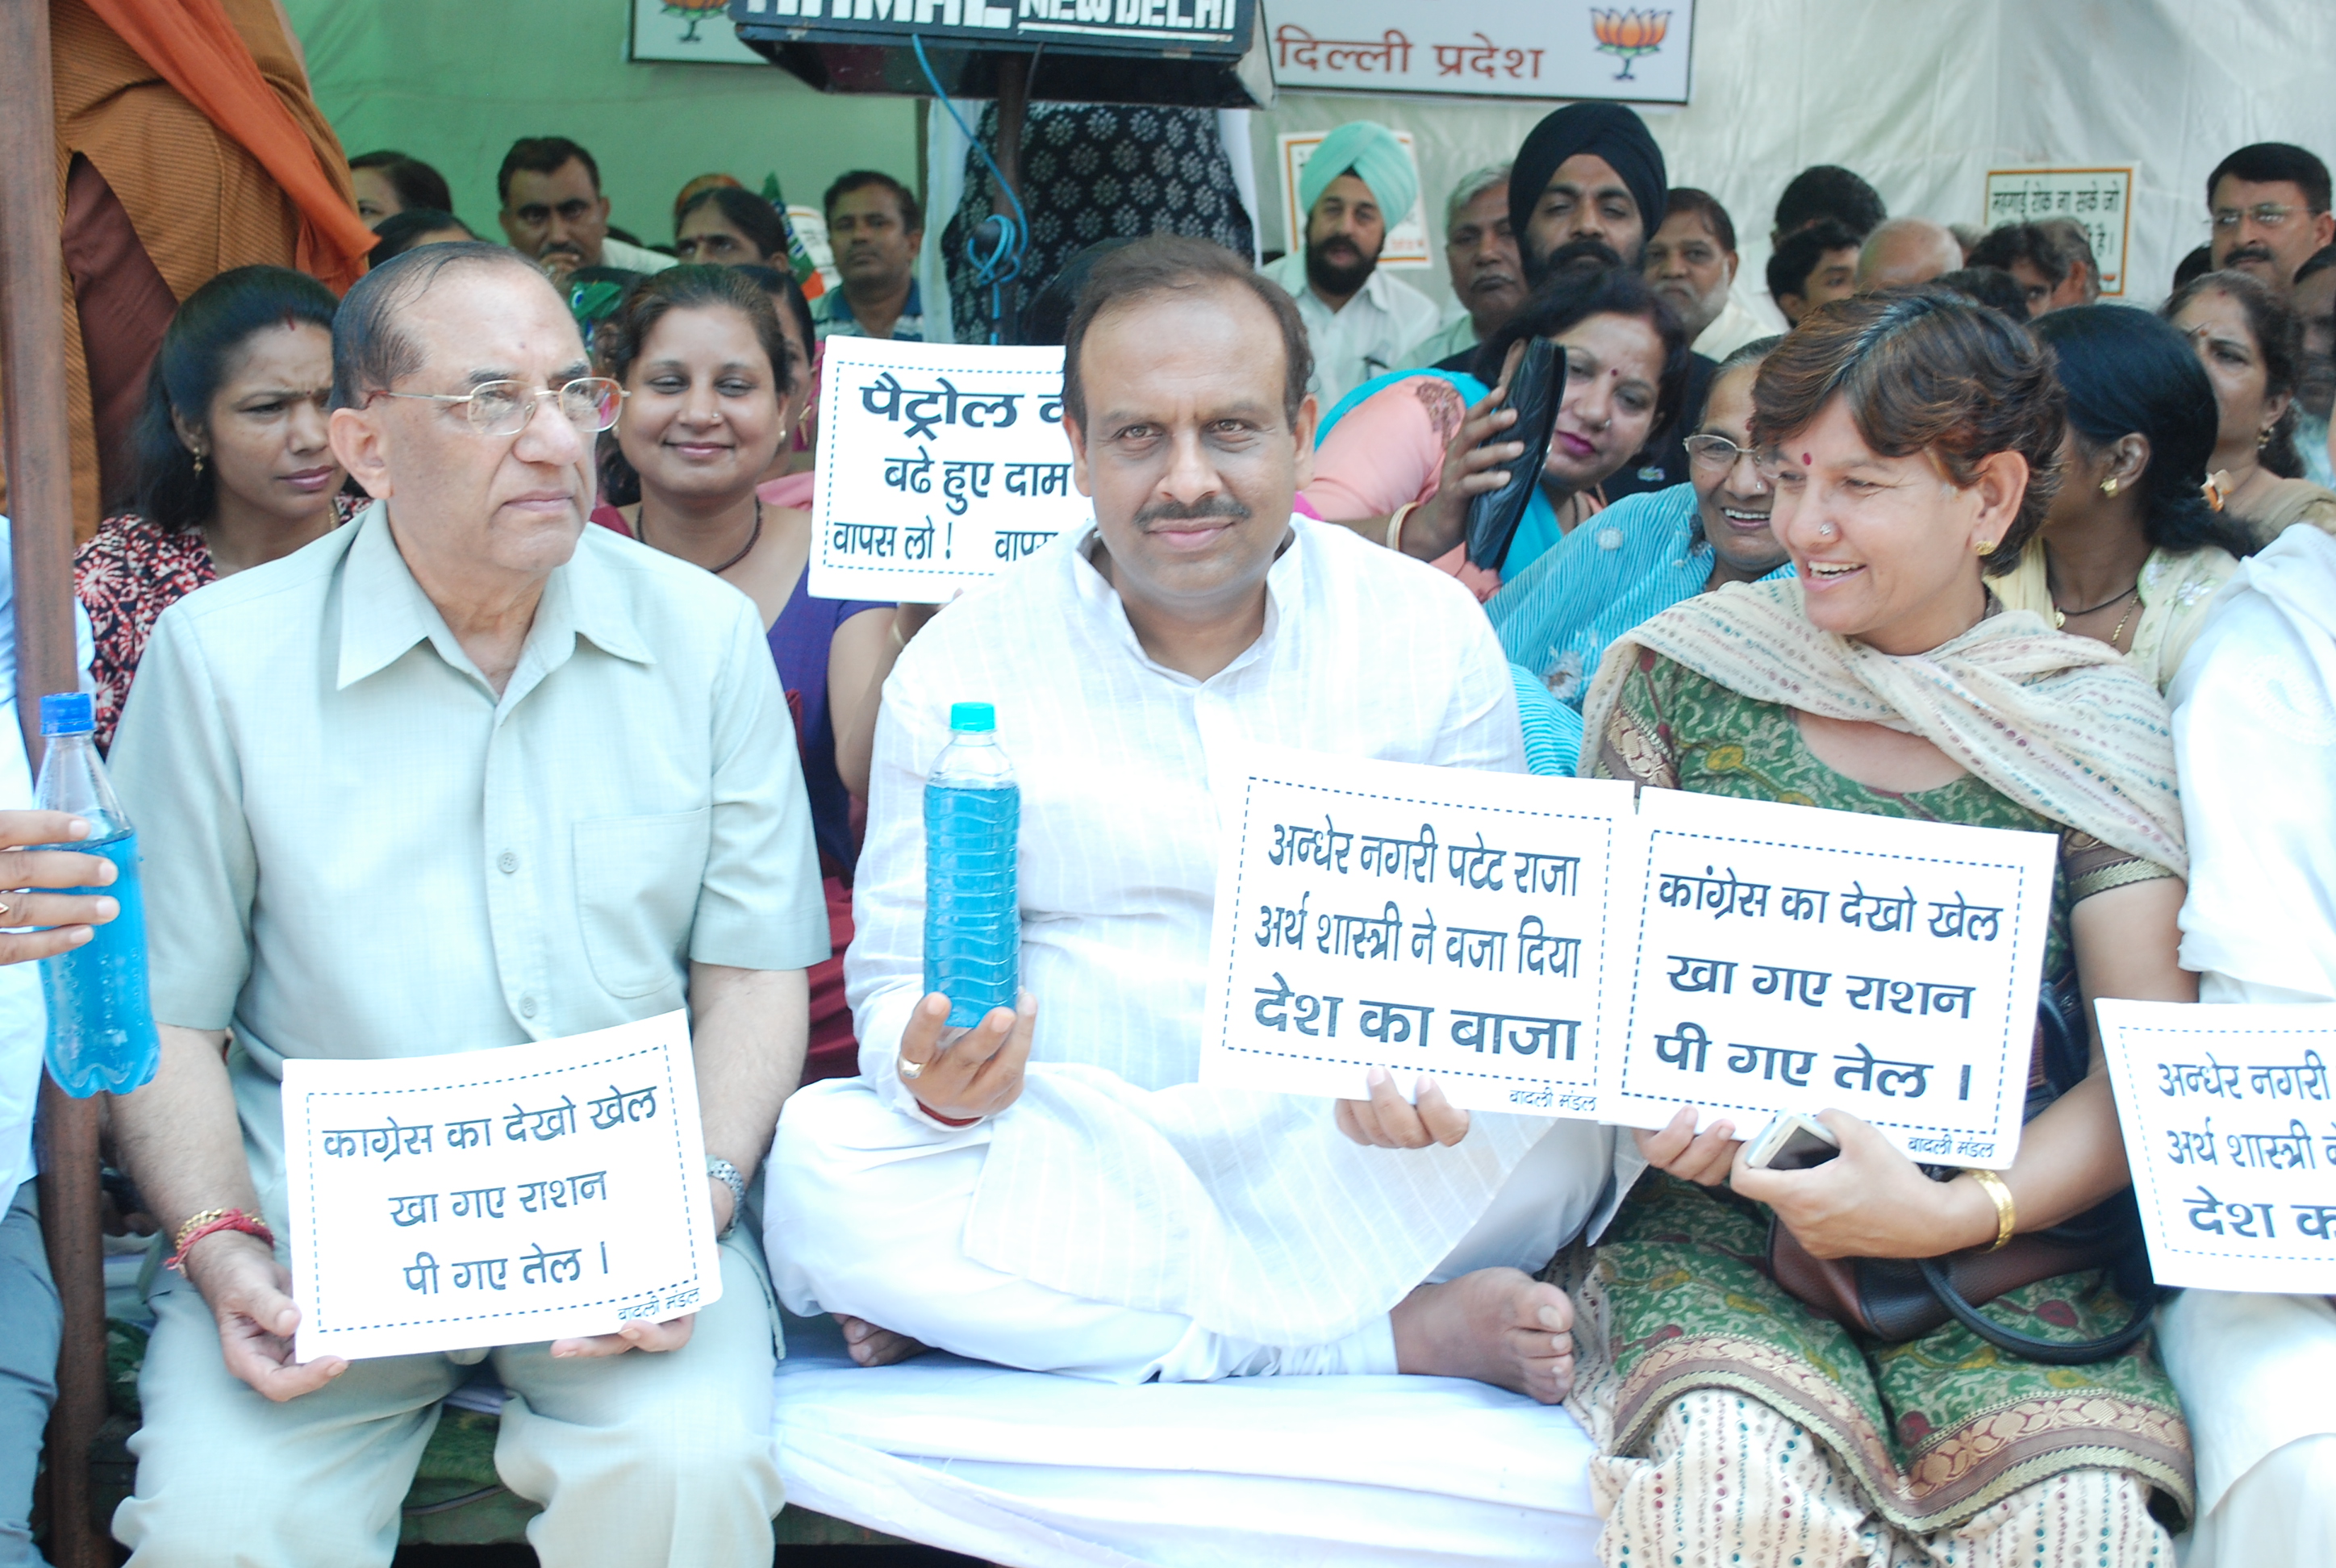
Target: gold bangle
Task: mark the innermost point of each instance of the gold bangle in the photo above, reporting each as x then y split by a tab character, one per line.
178	1242
1395	524
2006	1213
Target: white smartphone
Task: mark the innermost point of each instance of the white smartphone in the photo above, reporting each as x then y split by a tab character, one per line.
1792	1142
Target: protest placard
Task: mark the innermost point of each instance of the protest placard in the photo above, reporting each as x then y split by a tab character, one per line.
1539	944
2230	1130
940	465
1423	920
1797	960
497	1197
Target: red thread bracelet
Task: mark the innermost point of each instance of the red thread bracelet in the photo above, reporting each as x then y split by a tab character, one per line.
215	1219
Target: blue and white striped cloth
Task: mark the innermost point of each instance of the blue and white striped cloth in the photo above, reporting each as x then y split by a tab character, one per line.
1630	562
1553	730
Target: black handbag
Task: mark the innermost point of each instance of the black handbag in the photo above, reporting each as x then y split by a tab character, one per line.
1899	1299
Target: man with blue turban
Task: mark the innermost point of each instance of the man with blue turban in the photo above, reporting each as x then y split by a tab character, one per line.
1358	184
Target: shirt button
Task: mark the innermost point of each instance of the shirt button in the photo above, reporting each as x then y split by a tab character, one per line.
526	1007
1609	539
507	863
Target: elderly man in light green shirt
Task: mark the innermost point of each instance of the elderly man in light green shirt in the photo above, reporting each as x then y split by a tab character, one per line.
463	774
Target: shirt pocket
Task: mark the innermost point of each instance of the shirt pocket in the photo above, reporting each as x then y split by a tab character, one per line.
637	884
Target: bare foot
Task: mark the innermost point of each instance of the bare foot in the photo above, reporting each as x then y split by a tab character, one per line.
1498	1326
874	1346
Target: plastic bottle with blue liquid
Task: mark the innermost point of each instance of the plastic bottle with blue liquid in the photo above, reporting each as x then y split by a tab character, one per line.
973	910
102	1035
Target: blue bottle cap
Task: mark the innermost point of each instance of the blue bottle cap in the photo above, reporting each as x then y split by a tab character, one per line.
67	712
980	718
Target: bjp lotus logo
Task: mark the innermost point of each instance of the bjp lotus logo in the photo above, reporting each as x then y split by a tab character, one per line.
1629	34
695	10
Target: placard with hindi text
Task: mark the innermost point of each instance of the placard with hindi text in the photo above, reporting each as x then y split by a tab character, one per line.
497	1197
2230	1130
940	466
1423	920
1548	945
1791	959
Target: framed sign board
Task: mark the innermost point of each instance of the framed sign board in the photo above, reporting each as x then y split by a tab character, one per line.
2099	199
1486	49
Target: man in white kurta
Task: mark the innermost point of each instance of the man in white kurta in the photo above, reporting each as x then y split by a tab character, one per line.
2254	725
1117	1220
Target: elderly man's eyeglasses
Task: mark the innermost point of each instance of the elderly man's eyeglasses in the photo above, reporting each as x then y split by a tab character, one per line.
2267	214
1714	452
590	402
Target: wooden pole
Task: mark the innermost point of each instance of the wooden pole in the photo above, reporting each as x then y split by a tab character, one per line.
40	502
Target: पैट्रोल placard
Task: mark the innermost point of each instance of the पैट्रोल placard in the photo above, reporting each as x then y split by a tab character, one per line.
940	465
497	1197
2230	1131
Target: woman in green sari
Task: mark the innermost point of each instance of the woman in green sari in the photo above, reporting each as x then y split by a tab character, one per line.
1913	440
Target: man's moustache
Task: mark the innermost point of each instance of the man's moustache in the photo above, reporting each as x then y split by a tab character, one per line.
1217	508
2249	253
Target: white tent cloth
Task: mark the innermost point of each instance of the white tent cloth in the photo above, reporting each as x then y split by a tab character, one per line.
1039	1471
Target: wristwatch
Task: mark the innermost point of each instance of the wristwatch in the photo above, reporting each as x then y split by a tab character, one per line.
724	1172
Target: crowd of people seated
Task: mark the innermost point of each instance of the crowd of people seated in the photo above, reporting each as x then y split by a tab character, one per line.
455	650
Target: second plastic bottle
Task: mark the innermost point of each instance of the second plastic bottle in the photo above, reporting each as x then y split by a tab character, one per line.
101	1024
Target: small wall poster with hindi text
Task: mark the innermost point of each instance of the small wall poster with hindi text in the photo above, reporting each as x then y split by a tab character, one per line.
497	1197
2230	1130
1791	959
2100	200
1424	920
940	465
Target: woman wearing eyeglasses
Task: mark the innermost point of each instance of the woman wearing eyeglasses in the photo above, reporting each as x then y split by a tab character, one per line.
2247	339
711	394
229	465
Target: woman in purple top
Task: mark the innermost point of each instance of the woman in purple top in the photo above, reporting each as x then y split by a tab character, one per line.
713	384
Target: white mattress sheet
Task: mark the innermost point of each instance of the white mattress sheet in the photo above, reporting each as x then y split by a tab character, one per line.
1036	1470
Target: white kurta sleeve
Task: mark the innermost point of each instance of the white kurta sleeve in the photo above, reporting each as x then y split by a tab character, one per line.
884	971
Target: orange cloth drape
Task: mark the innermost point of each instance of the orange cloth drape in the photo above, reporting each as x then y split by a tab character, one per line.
197	49
198	115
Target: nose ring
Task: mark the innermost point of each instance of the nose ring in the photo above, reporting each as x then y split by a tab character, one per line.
1826	531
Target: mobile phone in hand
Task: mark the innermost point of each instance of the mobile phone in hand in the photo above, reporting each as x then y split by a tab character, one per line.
1536	390
1792	1142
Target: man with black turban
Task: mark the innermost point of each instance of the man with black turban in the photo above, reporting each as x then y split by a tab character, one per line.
1588	172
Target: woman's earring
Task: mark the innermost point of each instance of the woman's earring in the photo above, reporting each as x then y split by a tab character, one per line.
1983	547
2263	441
198	465
2109	485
